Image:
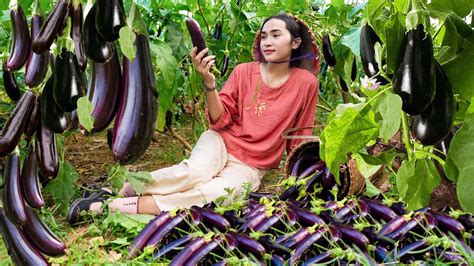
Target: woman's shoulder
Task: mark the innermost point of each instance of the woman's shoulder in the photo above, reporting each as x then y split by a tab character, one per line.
303	76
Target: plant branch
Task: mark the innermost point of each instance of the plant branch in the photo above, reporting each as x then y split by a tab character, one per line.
406	136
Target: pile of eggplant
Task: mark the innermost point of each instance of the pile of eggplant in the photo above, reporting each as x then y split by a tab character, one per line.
418	79
268	231
126	94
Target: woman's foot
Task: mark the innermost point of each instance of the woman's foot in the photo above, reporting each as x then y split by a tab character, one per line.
93	203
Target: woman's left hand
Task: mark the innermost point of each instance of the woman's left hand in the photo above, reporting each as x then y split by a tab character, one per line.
203	66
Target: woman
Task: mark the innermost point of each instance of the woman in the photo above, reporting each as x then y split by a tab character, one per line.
259	101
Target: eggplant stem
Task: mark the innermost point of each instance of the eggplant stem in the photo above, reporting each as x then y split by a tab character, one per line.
406	136
324	108
431	155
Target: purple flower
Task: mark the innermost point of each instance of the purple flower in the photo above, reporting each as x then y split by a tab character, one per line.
369	83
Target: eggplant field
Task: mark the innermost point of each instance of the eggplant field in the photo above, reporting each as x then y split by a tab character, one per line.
101	99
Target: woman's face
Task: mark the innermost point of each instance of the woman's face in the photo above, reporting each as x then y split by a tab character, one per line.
275	43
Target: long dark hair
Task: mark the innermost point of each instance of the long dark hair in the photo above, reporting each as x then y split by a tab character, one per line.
304	55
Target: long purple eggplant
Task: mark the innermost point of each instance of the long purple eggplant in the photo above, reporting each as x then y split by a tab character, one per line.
158	236
450	224
173	246
16	124
204	250
46	152
196	35
188	251
51	27
247	244
410	225
12	199
37	64
30	180
68	83
328	179
296	238
104	92
142	238
76	34
21	250
307	218
271	221
392	225
21	37
34	120
95	46
136	117
318	234
320	258
406	250
10	84
43	238
353	236
378	210
253	222
52	115
212	219
109	19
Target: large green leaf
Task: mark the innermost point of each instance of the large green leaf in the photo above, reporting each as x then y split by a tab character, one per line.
84	113
452	37
126	41
461	150
390	107
440	8
416	180
346	133
63	187
394	32
351	40
461	81
465	189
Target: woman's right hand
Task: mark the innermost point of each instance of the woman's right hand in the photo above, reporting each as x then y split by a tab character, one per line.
203	66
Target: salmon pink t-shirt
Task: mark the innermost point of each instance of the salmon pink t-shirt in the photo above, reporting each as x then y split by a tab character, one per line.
255	115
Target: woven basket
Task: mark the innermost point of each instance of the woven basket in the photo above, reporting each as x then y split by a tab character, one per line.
353	183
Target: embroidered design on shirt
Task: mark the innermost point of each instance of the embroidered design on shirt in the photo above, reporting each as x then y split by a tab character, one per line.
259	107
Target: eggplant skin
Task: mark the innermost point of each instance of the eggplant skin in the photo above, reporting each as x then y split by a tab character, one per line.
76	35
41	236
12	197
68	84
109	19
10	84
21	40
328	52
33	123
37	64
415	79
30	180
196	35
19	248
104	93
51	27
368	39
136	117
434	124
46	152
95	46
16	124
52	115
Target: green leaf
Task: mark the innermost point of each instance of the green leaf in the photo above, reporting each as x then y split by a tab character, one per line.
365	168
461	150
443	7
456	72
465	189
370	189
452	37
339	4
138	180
63	187
84	113
351	39
126	41
132	223
390	107
347	133
416	180
402	5
394	33
117	175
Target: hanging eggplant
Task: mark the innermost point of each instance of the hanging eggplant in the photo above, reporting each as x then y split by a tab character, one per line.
46	152
16	124
414	79
225	65
68	82
34	120
328	52
12	196
354	70
10	84
95	46
109	19
37	64
104	93
368	39
136	117
434	124
52	115
76	35
196	35
21	38
217	31
30	184
51	28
